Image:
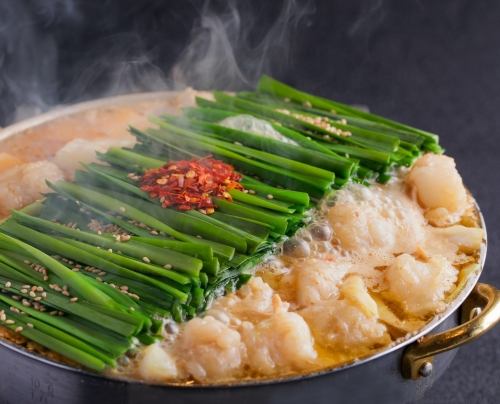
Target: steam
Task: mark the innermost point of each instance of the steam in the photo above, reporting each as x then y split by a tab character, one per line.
369	19
224	53
229	48
119	65
21	82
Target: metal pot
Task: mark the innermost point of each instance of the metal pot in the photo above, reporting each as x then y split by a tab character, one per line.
400	373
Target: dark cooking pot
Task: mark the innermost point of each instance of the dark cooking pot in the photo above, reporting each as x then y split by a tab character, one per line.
398	374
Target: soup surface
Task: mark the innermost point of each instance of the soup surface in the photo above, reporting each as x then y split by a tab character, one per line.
374	263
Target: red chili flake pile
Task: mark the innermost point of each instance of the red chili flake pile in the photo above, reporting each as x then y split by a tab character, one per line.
191	184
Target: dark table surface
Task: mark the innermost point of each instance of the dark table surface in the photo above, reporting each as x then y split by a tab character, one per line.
432	64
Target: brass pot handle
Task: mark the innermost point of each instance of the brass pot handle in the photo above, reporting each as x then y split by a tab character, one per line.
480	313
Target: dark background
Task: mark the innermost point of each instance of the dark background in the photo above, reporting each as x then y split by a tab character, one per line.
432	64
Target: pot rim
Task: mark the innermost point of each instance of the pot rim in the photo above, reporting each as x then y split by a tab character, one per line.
20	127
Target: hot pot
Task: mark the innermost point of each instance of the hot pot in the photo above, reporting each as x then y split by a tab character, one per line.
399	373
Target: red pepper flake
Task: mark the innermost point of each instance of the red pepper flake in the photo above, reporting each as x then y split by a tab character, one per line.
191	184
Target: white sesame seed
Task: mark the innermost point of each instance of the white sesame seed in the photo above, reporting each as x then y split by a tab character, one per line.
18	329
9	322
269	196
8	284
73	299
146	259
167	266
